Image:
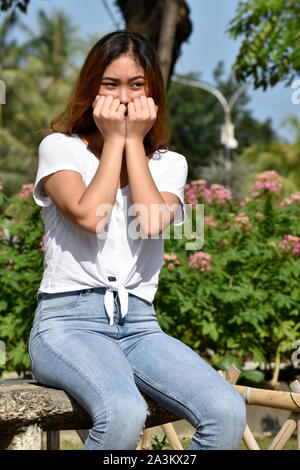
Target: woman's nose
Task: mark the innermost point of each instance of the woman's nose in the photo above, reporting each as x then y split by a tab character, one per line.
124	96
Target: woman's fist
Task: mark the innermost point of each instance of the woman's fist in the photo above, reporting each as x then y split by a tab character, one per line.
141	116
109	116
115	120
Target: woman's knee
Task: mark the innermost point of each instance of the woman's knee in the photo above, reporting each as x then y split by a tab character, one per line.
128	409
120	423
235	410
229	413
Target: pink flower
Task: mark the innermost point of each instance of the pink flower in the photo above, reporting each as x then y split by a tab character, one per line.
220	194
247	199
242	221
197	191
267	181
200	260
290	245
171	257
26	190
1	186
295	197
210	221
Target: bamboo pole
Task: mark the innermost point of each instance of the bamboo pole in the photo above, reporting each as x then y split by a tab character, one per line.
145	443
232	374
285	433
250	440
271	398
295	387
172	436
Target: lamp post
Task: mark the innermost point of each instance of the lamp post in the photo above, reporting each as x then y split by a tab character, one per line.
2	98
227	129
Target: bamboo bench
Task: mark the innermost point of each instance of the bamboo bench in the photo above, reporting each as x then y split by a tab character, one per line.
28	408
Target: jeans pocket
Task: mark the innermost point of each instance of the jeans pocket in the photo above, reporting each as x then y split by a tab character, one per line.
59	300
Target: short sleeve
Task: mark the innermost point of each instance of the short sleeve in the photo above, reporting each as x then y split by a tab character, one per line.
173	179
55	153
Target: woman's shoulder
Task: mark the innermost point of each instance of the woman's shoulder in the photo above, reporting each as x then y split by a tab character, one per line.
53	138
169	156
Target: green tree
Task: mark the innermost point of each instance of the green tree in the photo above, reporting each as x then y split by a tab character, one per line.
197	117
281	157
6	5
35	92
270	51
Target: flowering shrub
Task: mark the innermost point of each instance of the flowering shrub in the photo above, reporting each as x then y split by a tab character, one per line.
200	261
171	260
240	293
291	245
295	197
267	181
21	264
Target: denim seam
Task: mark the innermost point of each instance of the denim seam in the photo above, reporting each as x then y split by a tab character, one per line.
159	388
83	373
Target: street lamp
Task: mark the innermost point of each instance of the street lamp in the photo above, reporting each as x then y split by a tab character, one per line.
227	129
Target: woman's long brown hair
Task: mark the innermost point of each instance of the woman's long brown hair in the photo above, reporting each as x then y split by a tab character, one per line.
77	116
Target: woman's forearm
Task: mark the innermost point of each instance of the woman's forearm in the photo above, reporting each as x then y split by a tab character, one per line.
99	197
143	189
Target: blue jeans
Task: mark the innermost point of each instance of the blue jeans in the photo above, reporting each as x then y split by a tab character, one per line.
104	367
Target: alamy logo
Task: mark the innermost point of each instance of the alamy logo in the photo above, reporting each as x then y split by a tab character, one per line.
296	354
192	229
296	94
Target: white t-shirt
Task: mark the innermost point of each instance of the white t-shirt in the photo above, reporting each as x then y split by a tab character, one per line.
76	259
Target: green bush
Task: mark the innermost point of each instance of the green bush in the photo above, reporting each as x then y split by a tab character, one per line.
240	293
21	267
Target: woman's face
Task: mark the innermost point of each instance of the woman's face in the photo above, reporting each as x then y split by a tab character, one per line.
123	79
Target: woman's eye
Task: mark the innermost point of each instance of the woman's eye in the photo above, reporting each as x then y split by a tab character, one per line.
134	85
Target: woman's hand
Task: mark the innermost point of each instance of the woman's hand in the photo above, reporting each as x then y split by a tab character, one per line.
142	113
109	116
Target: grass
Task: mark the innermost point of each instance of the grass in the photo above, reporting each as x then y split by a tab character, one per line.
263	443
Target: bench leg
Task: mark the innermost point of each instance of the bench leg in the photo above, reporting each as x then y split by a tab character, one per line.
27	439
83	434
53	440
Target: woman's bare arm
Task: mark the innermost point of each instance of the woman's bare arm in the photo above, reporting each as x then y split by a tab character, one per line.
81	204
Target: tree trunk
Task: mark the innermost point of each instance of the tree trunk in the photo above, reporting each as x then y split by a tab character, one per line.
167	36
165	23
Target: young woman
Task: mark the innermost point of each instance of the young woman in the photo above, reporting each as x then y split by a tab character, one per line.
95	333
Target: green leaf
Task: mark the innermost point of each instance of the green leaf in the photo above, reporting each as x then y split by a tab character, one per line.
256	376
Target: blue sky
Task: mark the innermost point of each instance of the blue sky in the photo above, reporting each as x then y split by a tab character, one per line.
207	45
